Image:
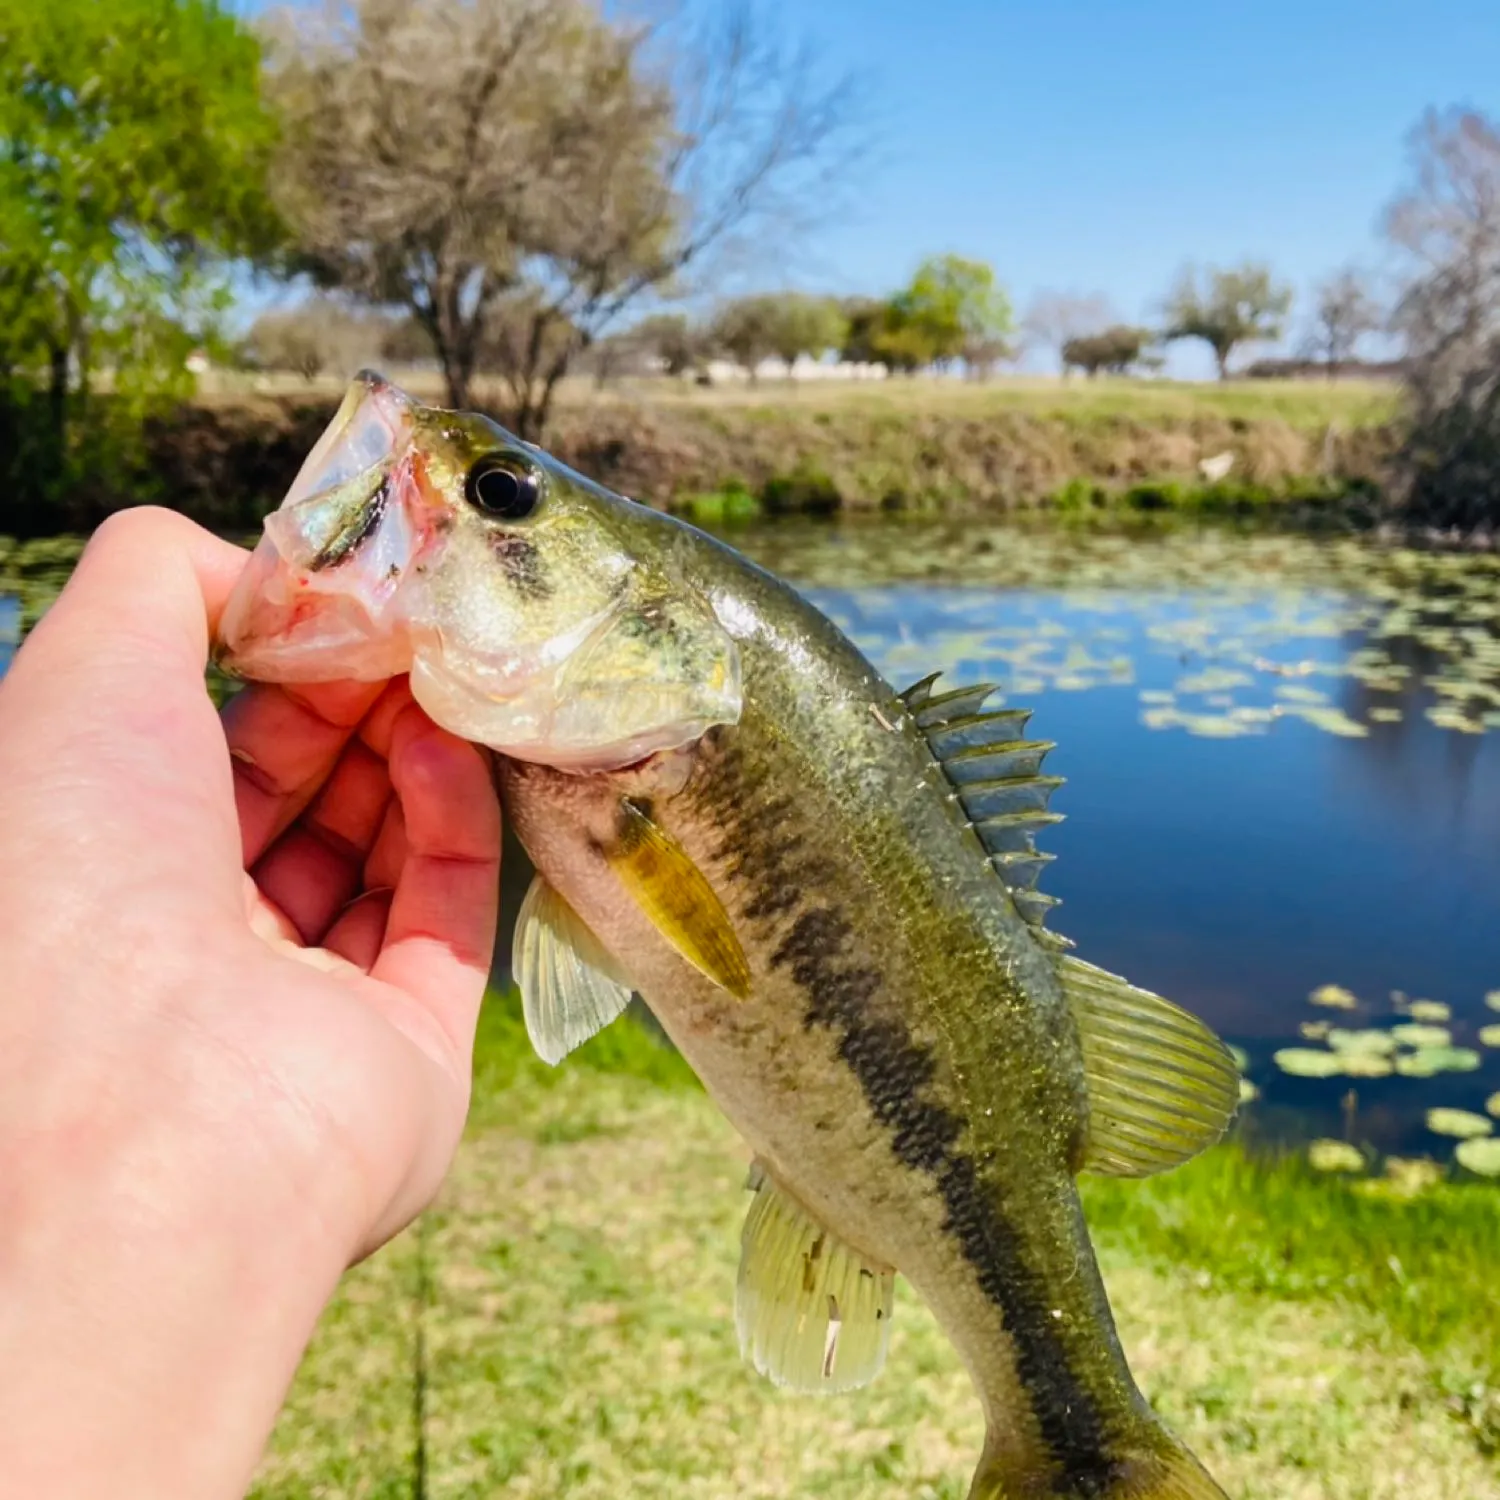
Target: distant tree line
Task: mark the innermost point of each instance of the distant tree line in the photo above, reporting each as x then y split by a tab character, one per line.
529	188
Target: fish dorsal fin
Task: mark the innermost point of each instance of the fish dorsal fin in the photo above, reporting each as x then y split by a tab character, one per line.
812	1314
676	897
995	775
1161	1085
571	987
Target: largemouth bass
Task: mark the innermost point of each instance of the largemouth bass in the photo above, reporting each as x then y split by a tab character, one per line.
824	889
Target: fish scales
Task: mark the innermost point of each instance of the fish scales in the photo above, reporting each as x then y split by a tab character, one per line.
899	953
733	815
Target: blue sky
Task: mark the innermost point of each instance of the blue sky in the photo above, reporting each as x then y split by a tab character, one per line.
1096	145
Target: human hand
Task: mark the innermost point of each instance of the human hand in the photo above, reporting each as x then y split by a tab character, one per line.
216	1089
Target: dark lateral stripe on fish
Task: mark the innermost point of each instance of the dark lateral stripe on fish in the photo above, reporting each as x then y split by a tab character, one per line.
895	1073
348	541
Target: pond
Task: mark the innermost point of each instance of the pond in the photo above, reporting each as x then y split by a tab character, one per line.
1282	797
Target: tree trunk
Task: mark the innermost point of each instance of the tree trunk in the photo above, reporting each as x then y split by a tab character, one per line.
1222	357
57	405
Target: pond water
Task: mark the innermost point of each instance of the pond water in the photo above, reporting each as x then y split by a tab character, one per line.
1283	780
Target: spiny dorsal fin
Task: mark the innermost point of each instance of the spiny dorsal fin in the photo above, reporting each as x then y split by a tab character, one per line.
811	1313
996	777
1161	1085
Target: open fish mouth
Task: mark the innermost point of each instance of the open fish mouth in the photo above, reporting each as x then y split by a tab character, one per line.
529	617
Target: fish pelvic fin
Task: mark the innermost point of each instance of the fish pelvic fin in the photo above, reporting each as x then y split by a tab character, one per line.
1164	1470
571	987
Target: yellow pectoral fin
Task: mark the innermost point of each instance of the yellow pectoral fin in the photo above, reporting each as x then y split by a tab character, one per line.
675	894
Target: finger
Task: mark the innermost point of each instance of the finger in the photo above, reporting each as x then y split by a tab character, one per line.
285	743
317	866
375	730
440	935
107	695
359	933
388	857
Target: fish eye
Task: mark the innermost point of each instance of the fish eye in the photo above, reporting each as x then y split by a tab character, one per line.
503	486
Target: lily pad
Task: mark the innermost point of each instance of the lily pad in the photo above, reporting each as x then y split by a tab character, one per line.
1213	680
1428	1062
1372	1040
1334	1156
1336	997
1296	692
1367	1065
1315	1031
1462	1123
1489	1036
1492	999
1413	1035
1479	1154
1329	720
1249	1093
1429	1010
1408	1176
1240	1056
1309	1062
1492	1104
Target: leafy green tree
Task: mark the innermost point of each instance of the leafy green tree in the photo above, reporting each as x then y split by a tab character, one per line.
1227	308
952	304
133	152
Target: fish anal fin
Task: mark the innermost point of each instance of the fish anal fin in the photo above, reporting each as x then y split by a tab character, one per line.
571	987
676	897
812	1314
1161	1085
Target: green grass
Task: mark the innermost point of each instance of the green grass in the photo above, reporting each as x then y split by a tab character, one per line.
1300	403
578	1336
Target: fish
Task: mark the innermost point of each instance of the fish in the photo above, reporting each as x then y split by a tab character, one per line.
823	888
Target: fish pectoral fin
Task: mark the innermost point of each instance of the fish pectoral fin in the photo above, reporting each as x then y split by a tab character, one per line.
812	1314
571	987
675	894
1161	1085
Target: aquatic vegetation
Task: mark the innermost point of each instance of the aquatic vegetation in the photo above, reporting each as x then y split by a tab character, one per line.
1489	1036
1373	1040
1309	1062
1335	996
1415	1035
1479	1154
1458	1122
1429	1010
1334	1156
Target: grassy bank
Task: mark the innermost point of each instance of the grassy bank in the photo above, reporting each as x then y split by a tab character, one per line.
573	1290
909	445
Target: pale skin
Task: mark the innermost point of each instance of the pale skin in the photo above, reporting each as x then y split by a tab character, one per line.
241	962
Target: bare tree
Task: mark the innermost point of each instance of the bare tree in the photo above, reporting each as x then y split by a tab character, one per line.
449	156
1344	312
1447	223
1054	319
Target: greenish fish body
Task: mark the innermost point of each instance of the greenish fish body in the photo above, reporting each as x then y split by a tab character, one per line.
825	891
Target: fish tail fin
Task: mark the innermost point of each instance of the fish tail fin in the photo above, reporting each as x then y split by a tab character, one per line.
1162	1469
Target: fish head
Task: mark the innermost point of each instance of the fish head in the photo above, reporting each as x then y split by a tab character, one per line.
536	612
